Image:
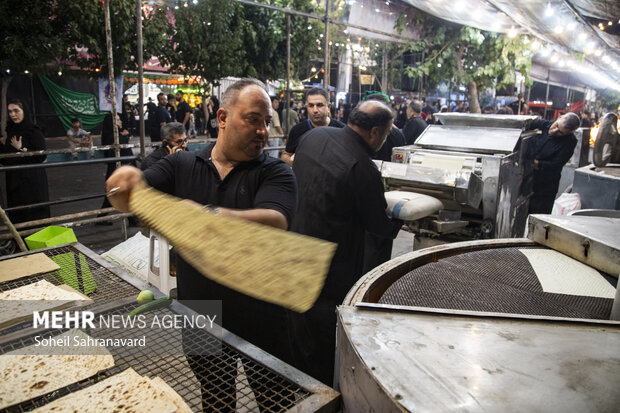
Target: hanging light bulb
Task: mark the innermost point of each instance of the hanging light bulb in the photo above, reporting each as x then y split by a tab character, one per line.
549	10
512	33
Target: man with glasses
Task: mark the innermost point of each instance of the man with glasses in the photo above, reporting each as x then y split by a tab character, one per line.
174	139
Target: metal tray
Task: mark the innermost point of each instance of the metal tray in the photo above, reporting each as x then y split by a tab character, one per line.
281	387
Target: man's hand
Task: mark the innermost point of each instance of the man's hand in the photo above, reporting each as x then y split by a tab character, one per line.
288	158
125	179
536	164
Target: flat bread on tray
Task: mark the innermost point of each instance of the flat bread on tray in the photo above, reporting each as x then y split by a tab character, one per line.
26	373
123	392
18	304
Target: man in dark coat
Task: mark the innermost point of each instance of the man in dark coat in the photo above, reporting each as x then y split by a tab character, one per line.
415	124
549	151
340	199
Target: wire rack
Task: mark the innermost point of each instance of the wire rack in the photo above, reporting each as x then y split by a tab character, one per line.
493	280
80	272
221	378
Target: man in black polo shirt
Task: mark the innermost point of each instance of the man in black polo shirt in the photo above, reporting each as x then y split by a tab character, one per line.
317	104
236	176
162	116
183	111
340	198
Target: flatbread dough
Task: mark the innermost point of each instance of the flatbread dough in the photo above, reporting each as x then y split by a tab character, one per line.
18	304
15	268
124	392
24	374
269	264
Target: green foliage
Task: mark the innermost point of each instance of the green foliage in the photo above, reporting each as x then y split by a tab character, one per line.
83	25
265	39
30	37
465	55
215	39
205	39
610	99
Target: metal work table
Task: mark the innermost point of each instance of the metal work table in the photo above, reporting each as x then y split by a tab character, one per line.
288	389
483	326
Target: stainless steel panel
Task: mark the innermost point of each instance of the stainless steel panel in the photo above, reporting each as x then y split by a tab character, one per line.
470	139
591	240
598	187
429	361
490	178
416	173
491	121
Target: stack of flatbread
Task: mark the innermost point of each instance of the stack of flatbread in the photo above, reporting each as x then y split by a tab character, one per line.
17	305
28	372
124	392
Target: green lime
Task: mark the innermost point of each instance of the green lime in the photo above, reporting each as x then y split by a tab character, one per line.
145	296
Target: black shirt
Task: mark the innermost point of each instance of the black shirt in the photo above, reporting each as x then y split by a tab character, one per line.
552	153
340	197
394	139
153	157
182	109
265	182
413	129
161	116
302	127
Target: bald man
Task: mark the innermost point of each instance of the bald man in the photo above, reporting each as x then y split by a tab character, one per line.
236	177
340	199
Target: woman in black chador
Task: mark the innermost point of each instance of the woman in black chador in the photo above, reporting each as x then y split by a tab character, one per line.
26	186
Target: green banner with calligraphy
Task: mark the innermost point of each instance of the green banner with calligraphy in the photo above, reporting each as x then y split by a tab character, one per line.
69	104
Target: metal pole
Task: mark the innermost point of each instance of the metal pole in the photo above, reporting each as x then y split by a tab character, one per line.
108	41
384	70
521	99
140	75
615	308
34	108
14	232
546	95
70	163
327	65
117	151
529	91
287	93
60	218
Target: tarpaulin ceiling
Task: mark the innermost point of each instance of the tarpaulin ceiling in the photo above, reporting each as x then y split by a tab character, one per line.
562	24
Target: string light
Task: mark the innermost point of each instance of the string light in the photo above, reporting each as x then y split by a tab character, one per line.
512	32
548	10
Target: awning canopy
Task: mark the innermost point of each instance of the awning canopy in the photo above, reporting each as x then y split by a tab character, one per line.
562	27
